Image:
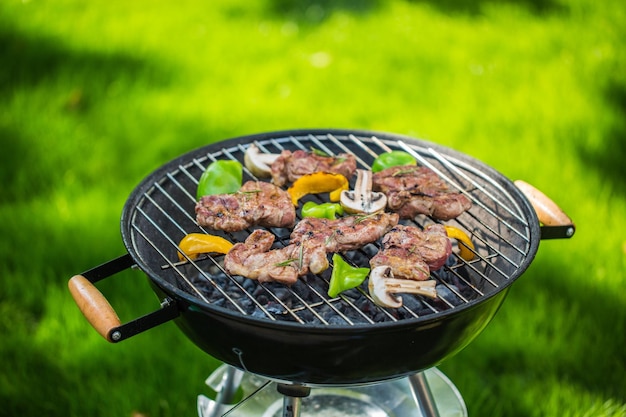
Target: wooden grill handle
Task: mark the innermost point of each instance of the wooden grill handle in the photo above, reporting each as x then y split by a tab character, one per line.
548	212
94	306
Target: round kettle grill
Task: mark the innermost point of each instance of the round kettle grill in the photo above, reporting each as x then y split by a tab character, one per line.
298	336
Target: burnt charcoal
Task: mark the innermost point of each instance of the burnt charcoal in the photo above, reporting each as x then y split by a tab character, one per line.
260	299
284	295
219	302
307	316
458	277
281	233
249	285
258	313
274	308
337	320
301	288
412	303
448	294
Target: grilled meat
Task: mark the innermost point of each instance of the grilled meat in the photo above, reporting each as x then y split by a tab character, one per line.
432	243
306	252
289	166
255	259
404	264
256	203
412	253
346	233
413	190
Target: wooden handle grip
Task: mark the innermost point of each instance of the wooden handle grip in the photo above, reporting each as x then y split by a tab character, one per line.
547	211
94	306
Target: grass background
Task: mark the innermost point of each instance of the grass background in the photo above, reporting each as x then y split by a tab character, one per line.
95	95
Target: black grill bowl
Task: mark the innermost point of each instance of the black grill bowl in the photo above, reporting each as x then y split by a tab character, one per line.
283	343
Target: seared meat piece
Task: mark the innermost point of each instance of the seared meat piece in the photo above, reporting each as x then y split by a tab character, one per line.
289	166
255	259
413	190
345	233
432	243
404	264
310	241
412	253
256	203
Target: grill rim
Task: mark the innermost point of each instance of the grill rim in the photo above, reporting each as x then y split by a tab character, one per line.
138	193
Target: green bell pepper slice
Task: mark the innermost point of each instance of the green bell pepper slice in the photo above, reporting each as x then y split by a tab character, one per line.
392	159
345	276
220	177
322	211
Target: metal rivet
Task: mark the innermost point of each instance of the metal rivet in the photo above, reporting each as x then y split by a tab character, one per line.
116	335
570	232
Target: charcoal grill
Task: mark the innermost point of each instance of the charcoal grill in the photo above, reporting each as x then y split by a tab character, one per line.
297	335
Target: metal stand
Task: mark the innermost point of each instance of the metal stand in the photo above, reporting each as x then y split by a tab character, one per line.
226	388
292	398
423	395
426	394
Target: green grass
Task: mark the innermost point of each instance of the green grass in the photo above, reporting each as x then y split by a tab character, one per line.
93	97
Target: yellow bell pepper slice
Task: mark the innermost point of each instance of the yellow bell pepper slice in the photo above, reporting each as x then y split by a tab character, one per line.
316	183
465	244
196	243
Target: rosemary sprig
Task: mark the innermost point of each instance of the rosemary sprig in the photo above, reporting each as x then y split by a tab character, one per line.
362	217
248	194
330	237
285	263
318	152
403	171
290	261
339	160
301	256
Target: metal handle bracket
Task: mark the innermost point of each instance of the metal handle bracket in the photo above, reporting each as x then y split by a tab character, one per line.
557	232
99	312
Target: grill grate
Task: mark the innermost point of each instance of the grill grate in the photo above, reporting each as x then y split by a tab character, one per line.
164	214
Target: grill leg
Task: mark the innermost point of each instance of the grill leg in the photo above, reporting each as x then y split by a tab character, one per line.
292	398
225	393
423	395
230	383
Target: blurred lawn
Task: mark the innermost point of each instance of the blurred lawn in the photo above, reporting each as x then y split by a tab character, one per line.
94	96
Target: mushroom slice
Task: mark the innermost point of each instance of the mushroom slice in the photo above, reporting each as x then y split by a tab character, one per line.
362	199
383	287
259	163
